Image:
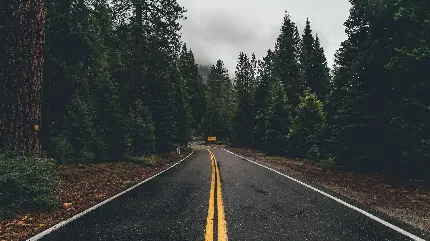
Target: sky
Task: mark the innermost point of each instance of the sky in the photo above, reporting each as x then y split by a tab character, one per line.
221	29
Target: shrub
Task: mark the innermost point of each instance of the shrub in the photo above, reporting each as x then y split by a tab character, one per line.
62	149
151	160
308	128
26	184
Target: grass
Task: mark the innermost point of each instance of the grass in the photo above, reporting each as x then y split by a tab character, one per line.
151	160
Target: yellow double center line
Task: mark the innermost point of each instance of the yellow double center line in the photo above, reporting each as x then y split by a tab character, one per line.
222	225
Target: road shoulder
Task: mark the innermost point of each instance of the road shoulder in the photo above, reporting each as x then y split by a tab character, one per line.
83	187
400	205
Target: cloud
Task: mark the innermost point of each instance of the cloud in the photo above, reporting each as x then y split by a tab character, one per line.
222	29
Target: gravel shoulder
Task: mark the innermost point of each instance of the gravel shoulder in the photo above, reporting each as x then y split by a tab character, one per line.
408	202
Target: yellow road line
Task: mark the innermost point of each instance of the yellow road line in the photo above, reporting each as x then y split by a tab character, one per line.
222	224
209	236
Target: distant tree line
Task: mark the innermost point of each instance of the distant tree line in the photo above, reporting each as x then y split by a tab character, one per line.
371	112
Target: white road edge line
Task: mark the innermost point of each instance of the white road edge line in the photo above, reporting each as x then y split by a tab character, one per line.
63	223
410	235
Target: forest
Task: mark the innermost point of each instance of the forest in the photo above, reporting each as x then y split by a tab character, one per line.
370	112
85	81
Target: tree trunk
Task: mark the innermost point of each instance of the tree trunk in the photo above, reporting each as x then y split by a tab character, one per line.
21	76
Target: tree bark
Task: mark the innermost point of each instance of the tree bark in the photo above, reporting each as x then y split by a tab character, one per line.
21	75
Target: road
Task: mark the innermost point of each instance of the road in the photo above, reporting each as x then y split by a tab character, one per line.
188	201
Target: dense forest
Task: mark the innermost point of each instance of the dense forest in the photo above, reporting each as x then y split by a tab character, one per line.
117	81
94	81
370	113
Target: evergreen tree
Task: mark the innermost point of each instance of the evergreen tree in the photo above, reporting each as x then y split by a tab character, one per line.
244	89
321	71
162	99
360	119
219	113
183	114
340	110
21	63
408	68
275	138
195	92
260	109
307	57
314	70
307	129
287	59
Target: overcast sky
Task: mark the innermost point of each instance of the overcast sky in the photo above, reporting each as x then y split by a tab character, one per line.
221	29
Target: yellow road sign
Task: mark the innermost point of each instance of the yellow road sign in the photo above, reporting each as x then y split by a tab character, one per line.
212	138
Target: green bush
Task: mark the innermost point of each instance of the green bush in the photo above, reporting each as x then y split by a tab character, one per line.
307	130
62	149
26	184
151	160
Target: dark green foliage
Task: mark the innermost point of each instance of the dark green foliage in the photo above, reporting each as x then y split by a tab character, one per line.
307	57
260	108
313	64
62	149
193	86
96	105
142	127
219	112
245	84
306	132
278	120
286	60
379	107
321	72
79	128
182	107
409	71
373	115
26	184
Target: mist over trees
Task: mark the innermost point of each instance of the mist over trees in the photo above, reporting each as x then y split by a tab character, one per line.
109	80
371	114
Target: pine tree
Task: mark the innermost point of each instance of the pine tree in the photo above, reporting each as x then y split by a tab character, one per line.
260	109
275	139
408	65
194	87
361	97
286	60
162	99
244	89
183	114
21	76
219	113
307	56
321	71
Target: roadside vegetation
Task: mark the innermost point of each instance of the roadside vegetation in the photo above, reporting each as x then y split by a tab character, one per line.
369	113
107	88
109	81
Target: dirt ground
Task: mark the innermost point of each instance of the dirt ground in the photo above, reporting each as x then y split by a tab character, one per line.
81	187
408	202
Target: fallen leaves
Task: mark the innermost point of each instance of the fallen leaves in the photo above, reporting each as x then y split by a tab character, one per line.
81	187
409	202
67	205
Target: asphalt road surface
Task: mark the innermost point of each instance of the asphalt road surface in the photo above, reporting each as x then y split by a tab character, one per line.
220	197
